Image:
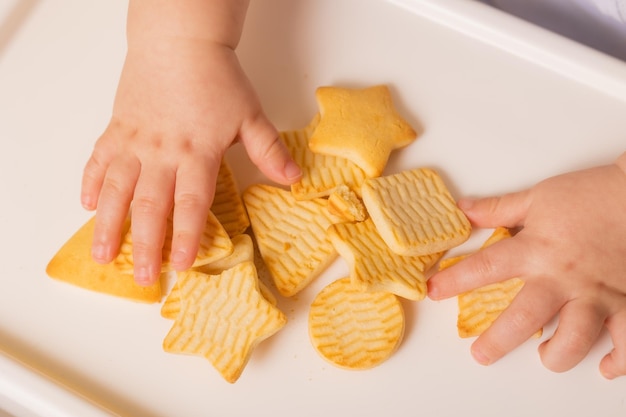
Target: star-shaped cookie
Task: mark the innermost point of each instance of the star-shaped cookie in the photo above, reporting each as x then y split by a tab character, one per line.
361	125
222	318
243	252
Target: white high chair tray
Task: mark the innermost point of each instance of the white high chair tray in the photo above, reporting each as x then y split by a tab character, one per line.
502	105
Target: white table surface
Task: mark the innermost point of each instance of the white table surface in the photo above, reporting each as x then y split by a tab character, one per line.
498	114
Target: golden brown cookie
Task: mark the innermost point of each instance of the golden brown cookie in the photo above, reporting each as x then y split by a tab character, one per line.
353	329
374	267
291	235
73	264
222	318
415	213
361	125
227	204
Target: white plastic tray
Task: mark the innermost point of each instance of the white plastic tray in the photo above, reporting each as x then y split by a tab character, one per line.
497	113
25	392
524	39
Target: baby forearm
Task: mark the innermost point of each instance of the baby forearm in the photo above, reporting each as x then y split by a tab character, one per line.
219	21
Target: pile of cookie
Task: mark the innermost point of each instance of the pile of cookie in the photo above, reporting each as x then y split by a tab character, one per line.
391	229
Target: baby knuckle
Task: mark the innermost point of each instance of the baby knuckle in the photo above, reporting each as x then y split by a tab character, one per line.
190	201
145	249
486	265
520	320
147	206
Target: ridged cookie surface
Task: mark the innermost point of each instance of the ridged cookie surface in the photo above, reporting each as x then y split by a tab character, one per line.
222	318
227	204
414	212
479	308
374	267
243	252
290	234
354	329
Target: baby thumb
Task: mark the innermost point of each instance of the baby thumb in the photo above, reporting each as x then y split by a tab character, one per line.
508	210
268	152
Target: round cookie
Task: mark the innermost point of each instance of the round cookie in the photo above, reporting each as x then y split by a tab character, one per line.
353	329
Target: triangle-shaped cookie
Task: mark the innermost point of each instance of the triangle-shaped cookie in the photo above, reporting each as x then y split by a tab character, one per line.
74	264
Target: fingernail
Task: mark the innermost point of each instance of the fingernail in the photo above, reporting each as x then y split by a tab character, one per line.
292	170
100	253
480	357
607	374
143	276
87	203
179	257
433	292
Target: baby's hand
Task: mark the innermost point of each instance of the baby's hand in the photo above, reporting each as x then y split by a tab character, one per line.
180	104
571	253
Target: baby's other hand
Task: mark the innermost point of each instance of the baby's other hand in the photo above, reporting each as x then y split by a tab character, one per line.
571	253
